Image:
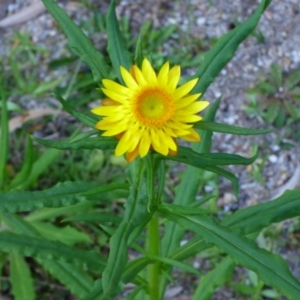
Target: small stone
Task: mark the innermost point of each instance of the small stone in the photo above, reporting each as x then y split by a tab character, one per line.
273	158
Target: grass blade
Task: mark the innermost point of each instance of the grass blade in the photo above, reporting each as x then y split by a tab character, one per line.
215	59
116	47
79	42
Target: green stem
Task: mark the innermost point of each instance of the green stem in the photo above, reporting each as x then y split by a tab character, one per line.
154	268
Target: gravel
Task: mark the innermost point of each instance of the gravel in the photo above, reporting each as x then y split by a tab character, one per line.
280	29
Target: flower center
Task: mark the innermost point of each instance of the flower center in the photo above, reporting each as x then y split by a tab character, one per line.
153	107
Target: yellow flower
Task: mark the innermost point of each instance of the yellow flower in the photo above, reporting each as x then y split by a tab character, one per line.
149	112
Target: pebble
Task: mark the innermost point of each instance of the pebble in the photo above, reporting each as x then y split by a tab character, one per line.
273	158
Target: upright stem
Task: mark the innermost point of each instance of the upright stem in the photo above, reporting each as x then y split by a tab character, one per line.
153	249
153	239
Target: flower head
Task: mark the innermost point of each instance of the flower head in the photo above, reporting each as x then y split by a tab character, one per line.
149	111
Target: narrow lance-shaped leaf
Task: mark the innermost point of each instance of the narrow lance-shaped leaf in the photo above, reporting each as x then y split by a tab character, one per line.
103	143
20	278
73	277
116	47
190	157
3	132
225	128
213	279
215	59
39	167
135	213
26	167
86	118
63	194
79	42
138	58
249	220
272	269
45	249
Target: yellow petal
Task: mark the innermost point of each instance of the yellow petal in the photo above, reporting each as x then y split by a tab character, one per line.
138	75
128	79
114	118
184	112
196	106
192	137
134	141
144	144
163	141
179	125
188	119
157	144
118	128
120	89
183	102
169	131
148	72
162	77
106	110
184	89
180	132
173	78
109	102
115	96
169	142
123	145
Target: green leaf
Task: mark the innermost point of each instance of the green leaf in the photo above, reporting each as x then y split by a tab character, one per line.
227	175
87	118
175	263
213	279
20	278
272	111
134	267
272	269
276	74
249	220
134	294
116	45
79	42
185	209
139	44
62	194
67	235
224	128
50	213
45	249
48	86
135	213
292	110
39	167
25	171
4	142
215	59
292	80
209	162
72	277
98	217
202	160
103	143
266	88
257	217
